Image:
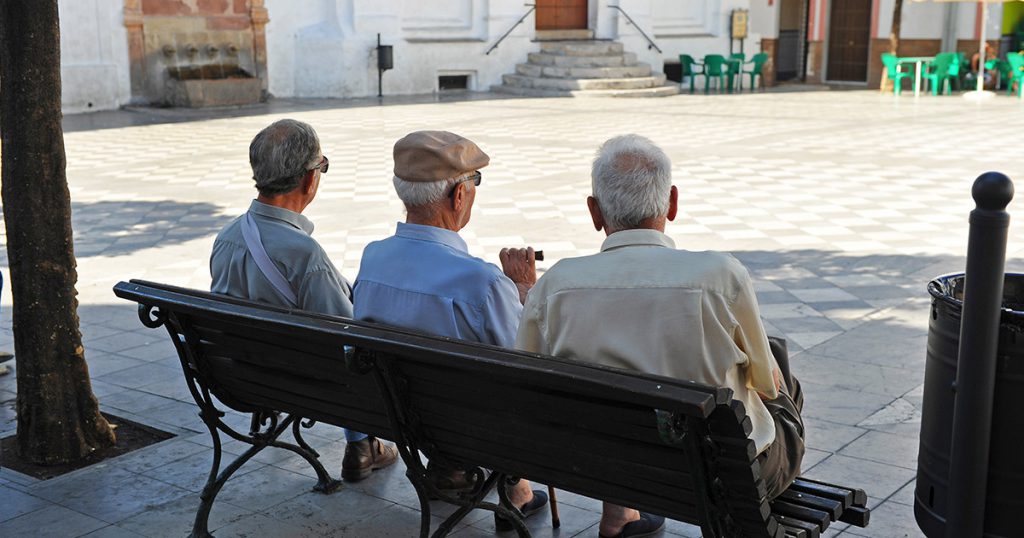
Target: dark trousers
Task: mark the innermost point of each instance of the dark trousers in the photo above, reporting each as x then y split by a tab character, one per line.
780	463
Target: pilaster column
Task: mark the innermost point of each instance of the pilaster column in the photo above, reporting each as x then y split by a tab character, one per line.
136	48
259	17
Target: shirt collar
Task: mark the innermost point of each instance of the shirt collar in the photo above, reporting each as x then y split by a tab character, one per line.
638	237
279	213
431	233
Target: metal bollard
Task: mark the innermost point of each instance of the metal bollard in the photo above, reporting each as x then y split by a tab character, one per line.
976	363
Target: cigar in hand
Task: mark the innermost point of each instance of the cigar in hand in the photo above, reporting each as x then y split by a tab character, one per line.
538	255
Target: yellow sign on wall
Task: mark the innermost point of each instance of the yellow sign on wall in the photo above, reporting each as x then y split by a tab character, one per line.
738	28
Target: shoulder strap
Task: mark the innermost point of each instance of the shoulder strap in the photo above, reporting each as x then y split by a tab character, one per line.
251	234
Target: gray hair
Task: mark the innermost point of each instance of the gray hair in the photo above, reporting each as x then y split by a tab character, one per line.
422	193
631	180
281	153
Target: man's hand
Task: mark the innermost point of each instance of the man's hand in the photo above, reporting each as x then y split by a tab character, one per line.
520	266
777	376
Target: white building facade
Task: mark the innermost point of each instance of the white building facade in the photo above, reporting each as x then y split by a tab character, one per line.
120	52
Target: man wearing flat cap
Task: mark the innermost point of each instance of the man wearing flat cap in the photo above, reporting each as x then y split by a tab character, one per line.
268	255
424	278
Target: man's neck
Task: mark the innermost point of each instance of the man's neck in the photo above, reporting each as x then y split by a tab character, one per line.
657	224
437	219
284	201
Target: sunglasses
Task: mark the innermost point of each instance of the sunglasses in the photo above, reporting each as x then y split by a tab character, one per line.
475	177
323	166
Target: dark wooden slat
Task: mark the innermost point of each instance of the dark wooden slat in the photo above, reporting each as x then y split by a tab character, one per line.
802	513
833	507
794	532
856	515
849	497
810	529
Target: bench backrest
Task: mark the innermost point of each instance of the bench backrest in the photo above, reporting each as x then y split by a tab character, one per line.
672	447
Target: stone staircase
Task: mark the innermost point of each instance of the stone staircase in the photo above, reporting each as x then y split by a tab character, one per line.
584	68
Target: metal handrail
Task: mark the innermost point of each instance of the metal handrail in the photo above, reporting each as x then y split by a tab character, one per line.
520	21
650	42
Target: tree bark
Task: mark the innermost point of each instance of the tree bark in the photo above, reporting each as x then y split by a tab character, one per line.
894	40
58	416
897	20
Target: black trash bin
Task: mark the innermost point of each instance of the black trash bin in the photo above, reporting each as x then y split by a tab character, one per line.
1004	508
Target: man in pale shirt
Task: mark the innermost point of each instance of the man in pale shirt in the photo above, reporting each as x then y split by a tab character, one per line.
268	255
641	304
424	278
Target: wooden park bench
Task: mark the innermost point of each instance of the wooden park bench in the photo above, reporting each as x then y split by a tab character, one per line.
661	445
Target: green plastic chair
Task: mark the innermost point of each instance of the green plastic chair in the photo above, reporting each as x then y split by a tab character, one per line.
892	68
1016	75
758	62
939	72
688	64
715	66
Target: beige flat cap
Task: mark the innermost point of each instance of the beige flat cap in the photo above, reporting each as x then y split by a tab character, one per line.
436	156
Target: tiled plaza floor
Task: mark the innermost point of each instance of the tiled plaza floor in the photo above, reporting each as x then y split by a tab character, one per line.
842	205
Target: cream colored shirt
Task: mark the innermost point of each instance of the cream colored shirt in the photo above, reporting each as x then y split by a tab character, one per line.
640	304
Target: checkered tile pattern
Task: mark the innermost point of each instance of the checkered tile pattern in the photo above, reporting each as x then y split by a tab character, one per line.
841	204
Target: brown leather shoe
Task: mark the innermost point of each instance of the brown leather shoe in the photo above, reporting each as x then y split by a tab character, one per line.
366	456
450	482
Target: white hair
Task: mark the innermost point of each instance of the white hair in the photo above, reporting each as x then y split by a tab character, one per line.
422	193
631	180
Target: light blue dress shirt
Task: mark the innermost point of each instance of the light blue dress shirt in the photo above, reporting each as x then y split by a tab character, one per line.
423	278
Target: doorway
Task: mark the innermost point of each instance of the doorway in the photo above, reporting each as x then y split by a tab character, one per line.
848	40
789	56
562	14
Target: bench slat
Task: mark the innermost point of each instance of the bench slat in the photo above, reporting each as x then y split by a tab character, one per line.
849	497
810	529
856	515
803	513
832	507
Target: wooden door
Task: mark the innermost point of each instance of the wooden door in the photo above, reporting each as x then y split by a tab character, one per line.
561	14
848	40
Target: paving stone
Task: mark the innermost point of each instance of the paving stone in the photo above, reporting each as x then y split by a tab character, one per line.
16	503
112	531
890	520
175	518
50	522
322	515
878	480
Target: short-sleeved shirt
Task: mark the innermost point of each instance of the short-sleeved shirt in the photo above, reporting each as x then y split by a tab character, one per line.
285	235
640	304
424	278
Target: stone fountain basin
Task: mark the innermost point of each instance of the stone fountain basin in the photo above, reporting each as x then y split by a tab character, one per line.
211	85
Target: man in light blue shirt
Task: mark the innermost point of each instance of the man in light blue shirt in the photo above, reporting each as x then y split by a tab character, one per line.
268	254
424	278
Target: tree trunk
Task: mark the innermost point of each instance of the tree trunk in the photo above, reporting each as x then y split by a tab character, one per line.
894	40
897	20
58	416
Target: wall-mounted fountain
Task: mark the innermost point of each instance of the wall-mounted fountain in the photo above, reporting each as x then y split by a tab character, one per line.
197	53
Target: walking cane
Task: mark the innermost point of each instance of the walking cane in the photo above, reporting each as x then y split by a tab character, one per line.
555	522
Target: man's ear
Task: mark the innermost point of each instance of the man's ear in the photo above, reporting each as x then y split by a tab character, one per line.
673	203
595	213
308	181
458	197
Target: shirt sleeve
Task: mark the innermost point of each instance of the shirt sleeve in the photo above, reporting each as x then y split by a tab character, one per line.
530	337
502	313
750	337
325	293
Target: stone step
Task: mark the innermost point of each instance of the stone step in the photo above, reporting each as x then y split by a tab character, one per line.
658	91
657	79
581	48
551	71
563	35
540	58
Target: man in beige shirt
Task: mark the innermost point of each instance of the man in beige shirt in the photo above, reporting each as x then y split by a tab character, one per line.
641	304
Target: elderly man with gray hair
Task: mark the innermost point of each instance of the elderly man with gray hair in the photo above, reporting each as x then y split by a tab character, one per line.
268	254
641	304
424	278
